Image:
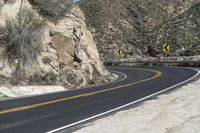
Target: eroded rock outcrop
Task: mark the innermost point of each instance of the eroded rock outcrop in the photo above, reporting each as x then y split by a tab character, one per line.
68	51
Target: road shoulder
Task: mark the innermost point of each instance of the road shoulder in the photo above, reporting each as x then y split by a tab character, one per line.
178	111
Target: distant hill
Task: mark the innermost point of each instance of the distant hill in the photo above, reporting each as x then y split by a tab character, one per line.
135	25
182	32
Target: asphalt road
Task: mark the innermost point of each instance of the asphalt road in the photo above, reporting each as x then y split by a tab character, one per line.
46	113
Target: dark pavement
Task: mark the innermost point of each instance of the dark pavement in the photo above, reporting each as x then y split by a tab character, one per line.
39	114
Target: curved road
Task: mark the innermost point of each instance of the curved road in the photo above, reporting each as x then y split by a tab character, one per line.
54	112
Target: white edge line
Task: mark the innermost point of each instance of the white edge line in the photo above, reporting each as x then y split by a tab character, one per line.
125	76
111	82
126	105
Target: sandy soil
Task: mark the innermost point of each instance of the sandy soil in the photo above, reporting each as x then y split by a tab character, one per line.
176	112
20	91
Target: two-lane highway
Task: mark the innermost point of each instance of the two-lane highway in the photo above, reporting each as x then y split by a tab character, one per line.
54	112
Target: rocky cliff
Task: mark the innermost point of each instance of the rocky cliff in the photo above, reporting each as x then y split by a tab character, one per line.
44	42
131	24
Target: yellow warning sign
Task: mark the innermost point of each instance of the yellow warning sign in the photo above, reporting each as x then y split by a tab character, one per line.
120	52
166	47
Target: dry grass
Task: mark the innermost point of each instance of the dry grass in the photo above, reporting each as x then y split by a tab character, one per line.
22	38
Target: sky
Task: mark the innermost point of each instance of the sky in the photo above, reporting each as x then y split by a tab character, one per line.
76	0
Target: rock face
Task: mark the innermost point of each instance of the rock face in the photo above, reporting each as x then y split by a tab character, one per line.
68	52
130	24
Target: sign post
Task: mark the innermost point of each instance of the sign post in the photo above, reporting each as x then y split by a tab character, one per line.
120	52
166	49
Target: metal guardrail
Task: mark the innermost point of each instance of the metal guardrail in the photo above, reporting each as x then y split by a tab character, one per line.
155	63
155	59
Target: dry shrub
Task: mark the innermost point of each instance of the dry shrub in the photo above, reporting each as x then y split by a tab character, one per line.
22	38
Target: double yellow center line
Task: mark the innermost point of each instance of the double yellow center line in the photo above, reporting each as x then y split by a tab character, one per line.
157	74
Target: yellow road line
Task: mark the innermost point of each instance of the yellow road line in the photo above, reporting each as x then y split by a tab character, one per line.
81	95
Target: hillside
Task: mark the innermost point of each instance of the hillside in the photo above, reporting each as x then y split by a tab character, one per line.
181	32
46	42
130	24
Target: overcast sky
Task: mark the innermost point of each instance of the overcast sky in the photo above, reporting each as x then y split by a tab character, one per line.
76	0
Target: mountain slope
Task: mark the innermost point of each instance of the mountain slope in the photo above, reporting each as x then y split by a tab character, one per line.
122	24
181	32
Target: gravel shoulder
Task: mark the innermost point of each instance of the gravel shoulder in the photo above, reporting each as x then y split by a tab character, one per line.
21	91
176	112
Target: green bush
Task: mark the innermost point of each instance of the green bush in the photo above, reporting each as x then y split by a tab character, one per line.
22	38
53	10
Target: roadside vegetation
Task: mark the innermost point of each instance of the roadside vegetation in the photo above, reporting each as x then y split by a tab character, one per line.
22	38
